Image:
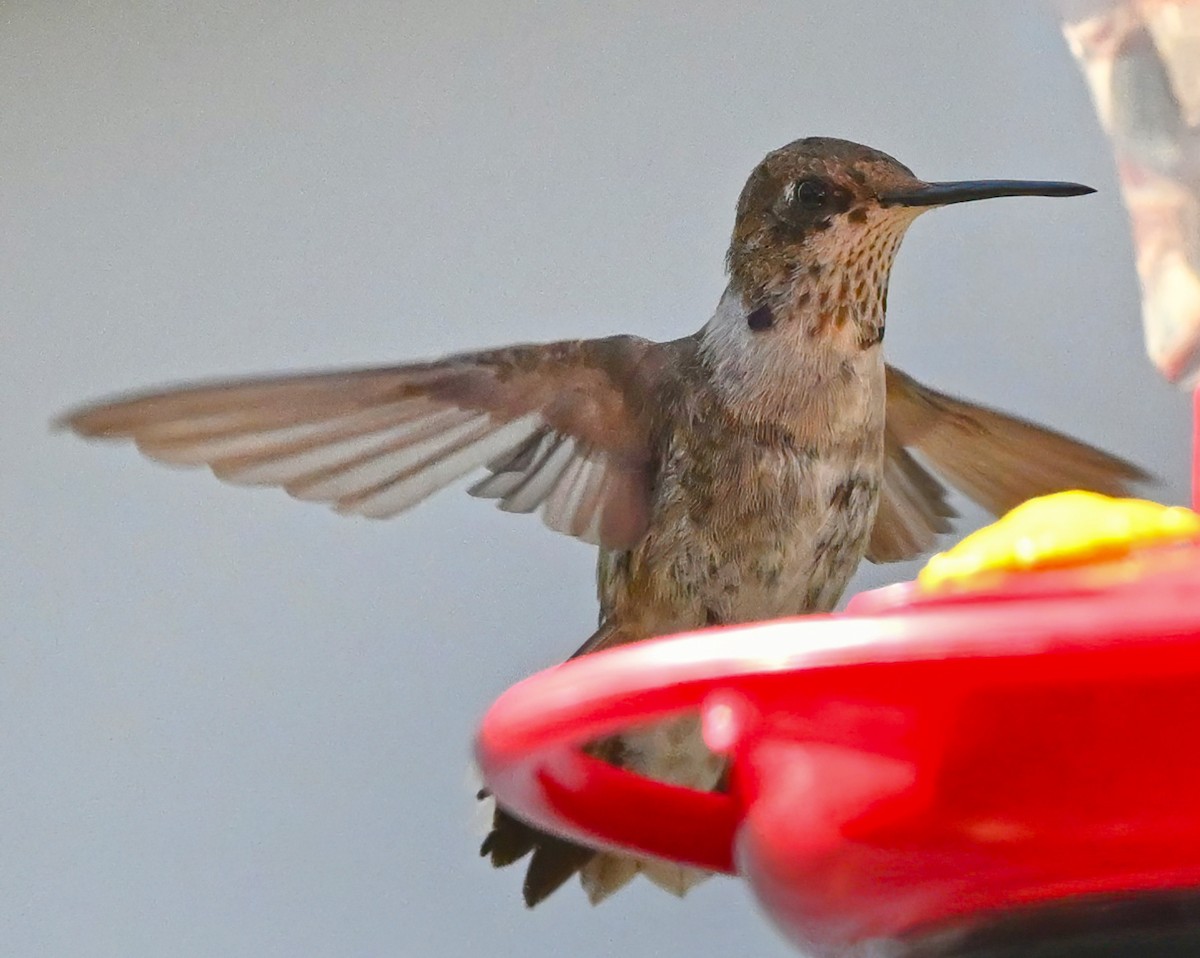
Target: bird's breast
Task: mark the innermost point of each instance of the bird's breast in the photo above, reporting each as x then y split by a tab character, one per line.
749	527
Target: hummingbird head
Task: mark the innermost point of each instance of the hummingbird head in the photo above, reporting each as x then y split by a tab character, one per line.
819	223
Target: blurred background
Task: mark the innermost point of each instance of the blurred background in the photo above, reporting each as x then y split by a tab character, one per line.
233	724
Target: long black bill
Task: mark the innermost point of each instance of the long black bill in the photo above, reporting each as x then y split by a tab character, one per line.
943	194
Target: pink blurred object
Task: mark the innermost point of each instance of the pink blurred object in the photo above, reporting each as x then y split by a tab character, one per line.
1141	59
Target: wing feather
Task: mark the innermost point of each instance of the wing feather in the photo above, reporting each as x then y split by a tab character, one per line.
377	441
997	460
540	476
913	508
398	492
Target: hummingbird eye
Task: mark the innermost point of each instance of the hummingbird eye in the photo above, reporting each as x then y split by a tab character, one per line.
810	193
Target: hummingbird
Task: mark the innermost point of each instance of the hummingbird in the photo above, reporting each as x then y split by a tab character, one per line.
737	474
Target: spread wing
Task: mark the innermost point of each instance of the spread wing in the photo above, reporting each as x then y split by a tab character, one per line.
561	428
913	509
997	460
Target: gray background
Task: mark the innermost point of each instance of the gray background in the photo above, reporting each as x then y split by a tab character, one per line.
233	724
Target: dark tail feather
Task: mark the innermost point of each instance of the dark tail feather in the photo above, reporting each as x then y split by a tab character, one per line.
553	861
509	840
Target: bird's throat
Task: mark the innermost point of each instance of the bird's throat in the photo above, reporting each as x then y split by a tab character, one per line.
818	367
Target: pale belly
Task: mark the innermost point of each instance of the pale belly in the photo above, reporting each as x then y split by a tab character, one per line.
788	550
785	548
803	566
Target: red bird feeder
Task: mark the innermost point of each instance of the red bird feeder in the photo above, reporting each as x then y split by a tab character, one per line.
1000	754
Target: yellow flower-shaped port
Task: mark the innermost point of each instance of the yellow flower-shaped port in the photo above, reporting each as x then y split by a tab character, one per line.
1064	529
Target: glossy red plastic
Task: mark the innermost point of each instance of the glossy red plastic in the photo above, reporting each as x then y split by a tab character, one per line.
912	764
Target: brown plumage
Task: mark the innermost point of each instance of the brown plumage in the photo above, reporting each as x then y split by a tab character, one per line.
737	474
